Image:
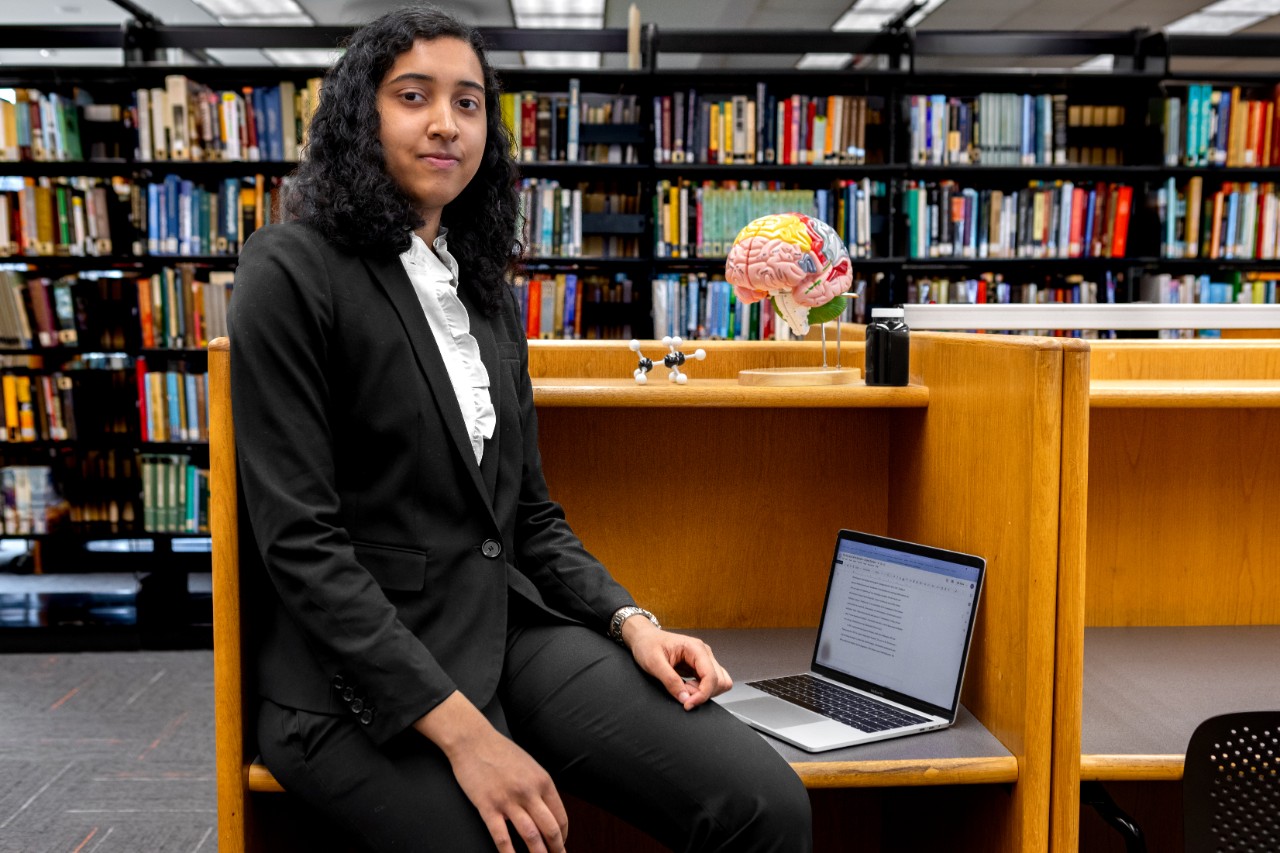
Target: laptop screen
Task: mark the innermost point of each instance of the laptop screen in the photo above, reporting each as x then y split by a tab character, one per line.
898	616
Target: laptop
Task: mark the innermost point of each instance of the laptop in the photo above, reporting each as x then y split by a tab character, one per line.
890	653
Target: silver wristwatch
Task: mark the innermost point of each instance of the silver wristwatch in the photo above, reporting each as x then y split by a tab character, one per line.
622	614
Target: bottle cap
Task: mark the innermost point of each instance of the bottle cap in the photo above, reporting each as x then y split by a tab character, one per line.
888	312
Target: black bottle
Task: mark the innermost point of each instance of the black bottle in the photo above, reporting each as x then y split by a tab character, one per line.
888	359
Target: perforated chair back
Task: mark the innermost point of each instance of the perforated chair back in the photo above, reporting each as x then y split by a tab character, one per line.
1231	784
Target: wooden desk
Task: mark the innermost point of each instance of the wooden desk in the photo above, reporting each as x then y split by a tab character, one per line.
1181	481
717	506
1146	690
965	754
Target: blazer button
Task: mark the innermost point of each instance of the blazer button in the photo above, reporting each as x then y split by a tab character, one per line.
366	716
338	682
491	548
357	706
348	694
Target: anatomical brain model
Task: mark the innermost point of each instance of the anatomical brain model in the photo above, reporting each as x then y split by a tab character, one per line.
798	261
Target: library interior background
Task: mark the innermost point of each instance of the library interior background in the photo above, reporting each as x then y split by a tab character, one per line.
1095	180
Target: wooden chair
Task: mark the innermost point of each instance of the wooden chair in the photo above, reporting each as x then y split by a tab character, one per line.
236	773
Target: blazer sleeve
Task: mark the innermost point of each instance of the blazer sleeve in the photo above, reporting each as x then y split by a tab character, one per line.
281	325
551	555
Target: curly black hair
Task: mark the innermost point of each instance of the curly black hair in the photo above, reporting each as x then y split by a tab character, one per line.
342	186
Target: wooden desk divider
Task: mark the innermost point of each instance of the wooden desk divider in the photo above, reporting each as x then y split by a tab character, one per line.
1182	483
725	517
720	511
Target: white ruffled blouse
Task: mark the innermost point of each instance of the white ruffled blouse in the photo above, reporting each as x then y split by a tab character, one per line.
435	279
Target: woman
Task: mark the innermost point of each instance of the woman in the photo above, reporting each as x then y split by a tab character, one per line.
432	640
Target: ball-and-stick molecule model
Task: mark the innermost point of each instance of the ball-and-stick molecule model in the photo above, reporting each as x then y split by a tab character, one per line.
672	360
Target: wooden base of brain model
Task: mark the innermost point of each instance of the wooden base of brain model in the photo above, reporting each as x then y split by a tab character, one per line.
798	261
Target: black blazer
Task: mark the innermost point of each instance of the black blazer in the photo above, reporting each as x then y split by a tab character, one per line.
390	553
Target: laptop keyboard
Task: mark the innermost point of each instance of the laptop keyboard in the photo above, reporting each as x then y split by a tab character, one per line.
845	706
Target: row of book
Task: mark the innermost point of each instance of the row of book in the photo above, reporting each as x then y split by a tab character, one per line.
118	398
1239	221
29	499
1224	126
548	126
187	120
1004	129
765	129
1058	220
698	306
41	126
173	403
73	217
36	311
177	310
175	494
560	305
551	223
179	307
183	120
36	406
98	217
995	289
702	220
1235	287
184	218
100	486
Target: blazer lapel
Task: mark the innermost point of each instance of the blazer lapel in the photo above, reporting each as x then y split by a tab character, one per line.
390	275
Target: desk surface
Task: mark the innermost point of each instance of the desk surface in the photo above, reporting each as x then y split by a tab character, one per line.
1184	393
718	393
1146	690
964	754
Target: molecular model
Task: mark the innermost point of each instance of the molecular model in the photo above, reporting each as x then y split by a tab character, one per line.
673	359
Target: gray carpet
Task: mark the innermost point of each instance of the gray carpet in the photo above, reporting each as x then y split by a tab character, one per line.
107	752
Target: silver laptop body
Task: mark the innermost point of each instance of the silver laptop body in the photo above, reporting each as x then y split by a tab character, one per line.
890	654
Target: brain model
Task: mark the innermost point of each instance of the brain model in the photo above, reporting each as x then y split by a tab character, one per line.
797	260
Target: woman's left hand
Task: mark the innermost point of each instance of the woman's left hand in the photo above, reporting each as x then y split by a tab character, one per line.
685	665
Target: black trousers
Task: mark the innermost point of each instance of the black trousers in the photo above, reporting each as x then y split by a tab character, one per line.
695	780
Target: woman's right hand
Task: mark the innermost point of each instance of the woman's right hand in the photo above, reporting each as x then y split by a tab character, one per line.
502	780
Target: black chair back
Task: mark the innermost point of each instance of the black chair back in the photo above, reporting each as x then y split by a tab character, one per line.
1231	784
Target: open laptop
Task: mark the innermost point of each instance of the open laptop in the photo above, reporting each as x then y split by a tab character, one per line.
891	649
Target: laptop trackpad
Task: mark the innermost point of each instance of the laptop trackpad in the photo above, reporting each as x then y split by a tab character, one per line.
776	713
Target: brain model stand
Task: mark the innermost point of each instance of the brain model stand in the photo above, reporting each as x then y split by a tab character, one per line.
800	263
672	360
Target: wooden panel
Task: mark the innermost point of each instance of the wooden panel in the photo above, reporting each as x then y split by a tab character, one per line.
884	774
1199	359
233	805
1064	806
719	518
982	474
1184	393
1121	768
598	359
721	393
1181	517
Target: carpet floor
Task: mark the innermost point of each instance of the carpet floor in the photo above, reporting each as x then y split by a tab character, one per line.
107	752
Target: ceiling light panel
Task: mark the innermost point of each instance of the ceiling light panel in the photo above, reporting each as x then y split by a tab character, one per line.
824	61
1203	22
256	12
861	21
1258	7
